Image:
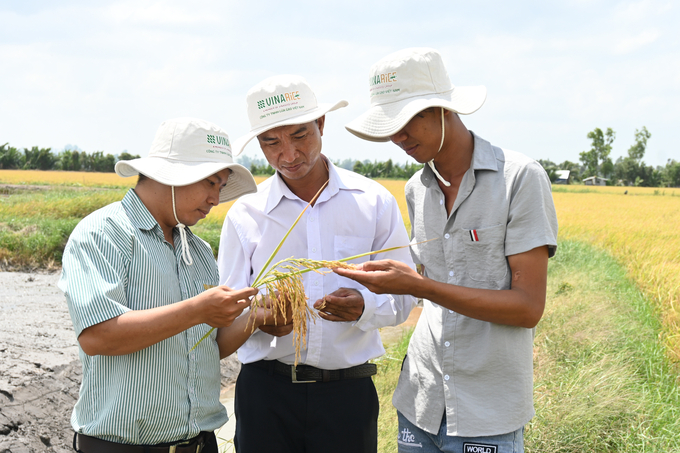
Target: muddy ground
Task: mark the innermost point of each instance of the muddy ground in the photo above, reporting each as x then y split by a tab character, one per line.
39	368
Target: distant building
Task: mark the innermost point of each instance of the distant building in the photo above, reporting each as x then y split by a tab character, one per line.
563	177
595	181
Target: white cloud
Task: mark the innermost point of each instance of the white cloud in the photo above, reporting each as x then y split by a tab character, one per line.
104	75
158	13
633	43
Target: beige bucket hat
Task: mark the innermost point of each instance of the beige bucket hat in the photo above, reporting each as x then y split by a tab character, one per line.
405	83
281	100
187	150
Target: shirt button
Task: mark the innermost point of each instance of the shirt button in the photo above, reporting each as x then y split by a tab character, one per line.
451	274
441	202
447	235
446	377
450	311
447	344
311	219
314	249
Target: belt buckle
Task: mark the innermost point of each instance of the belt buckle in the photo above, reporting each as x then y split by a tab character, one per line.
293	375
173	448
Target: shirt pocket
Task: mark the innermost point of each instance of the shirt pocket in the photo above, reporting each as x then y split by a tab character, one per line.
346	246
485	255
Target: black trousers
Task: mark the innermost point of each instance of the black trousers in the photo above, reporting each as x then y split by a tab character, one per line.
275	415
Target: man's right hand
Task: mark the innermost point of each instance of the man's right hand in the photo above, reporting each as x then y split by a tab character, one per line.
221	305
279	325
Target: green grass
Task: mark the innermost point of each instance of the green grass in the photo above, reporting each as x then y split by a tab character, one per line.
389	366
35	224
602	380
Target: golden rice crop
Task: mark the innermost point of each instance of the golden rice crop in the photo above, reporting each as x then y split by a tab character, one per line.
396	188
640	229
67	178
285	280
637	225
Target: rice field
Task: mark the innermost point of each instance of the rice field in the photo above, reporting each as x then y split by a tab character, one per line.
638	226
64	178
640	229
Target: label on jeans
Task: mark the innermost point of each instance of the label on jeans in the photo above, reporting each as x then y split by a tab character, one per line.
479	448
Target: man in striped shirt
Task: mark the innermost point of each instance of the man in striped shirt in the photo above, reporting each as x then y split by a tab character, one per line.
134	276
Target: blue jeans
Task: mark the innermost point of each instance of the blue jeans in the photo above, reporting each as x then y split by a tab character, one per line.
412	439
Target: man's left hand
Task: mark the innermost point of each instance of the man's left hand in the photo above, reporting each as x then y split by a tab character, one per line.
342	305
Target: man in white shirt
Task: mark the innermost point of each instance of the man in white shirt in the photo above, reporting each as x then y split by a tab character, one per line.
335	407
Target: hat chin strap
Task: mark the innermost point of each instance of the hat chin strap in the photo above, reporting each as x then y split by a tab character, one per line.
182	233
431	163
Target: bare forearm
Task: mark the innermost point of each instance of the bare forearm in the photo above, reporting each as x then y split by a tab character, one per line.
229	339
137	329
512	307
521	305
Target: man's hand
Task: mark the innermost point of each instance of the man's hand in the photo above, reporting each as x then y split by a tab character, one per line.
138	329
383	276
221	305
344	304
279	325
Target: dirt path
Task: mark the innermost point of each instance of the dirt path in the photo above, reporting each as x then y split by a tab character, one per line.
40	371
39	368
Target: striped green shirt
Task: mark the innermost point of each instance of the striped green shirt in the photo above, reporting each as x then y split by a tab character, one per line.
117	260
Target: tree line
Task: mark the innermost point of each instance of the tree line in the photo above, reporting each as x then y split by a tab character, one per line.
37	158
375	169
629	170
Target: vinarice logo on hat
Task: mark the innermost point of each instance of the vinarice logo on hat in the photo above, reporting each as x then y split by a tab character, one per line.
220	145
383	83
405	83
281	101
278	99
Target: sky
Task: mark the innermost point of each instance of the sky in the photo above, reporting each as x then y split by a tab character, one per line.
103	75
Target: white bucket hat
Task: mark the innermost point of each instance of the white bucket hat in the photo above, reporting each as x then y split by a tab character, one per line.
405	83
187	150
281	101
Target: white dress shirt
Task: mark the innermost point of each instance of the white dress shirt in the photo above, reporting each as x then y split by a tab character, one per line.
353	215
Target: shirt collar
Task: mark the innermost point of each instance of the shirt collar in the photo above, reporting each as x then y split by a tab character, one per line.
279	189
483	155
483	158
140	216
137	211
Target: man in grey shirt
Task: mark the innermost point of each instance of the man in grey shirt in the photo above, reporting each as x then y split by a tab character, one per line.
488	217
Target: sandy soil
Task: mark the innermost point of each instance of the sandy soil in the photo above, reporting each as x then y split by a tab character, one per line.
39	368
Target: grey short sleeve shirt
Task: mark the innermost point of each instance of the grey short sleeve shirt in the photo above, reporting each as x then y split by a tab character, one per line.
479	373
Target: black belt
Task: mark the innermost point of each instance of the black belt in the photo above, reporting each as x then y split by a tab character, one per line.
87	444
306	373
